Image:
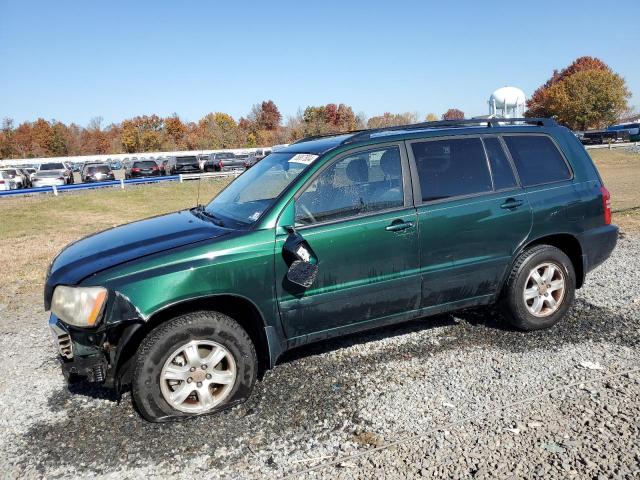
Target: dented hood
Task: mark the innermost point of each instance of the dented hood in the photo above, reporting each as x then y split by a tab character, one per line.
121	244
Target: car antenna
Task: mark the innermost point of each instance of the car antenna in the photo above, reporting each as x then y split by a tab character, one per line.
198	194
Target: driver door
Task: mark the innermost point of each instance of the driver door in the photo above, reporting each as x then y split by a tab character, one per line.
359	224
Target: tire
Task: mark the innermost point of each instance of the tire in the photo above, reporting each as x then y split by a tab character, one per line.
523	294
151	389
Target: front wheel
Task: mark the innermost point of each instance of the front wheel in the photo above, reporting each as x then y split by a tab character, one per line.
540	289
195	364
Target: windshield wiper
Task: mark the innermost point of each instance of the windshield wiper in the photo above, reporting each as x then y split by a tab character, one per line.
201	210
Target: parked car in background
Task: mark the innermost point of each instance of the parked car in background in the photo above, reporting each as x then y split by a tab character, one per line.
142	168
250	161
97	172
260	153
16	176
55	168
218	162
242	157
48	178
202	158
31	172
162	164
7	181
25	175
116	165
182	164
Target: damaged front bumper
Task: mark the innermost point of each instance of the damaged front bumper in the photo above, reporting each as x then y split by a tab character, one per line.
96	354
78	354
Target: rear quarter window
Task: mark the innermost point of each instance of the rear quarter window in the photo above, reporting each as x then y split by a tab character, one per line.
537	159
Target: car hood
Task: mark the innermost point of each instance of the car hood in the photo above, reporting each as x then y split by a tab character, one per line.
128	242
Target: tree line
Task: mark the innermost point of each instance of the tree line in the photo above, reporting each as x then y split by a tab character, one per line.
586	94
263	126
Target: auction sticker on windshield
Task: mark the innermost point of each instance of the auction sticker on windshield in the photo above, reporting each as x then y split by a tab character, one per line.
305	158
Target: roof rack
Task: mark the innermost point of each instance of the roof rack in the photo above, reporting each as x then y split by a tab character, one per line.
357	135
480	122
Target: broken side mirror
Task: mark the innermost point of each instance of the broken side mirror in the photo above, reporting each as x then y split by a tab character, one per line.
301	259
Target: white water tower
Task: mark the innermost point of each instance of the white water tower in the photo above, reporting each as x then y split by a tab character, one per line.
507	102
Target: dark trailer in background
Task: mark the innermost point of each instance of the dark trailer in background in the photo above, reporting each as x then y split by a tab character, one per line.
599	137
632	128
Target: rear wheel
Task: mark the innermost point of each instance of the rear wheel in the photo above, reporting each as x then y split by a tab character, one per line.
195	364
540	288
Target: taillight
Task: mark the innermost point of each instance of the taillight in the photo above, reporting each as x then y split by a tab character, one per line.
606	204
1	182
135	169
154	168
221	164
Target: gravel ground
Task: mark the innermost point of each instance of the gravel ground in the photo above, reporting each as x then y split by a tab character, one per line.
389	403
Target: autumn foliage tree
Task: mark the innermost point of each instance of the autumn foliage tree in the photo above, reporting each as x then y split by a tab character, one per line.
330	118
453	114
586	94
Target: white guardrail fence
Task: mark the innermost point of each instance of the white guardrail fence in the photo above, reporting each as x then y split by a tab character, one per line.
118	183
613	145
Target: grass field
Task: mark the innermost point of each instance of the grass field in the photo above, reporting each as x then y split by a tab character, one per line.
34	229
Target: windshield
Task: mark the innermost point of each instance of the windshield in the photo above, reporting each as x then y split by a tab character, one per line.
246	198
186	160
145	164
52	166
98	169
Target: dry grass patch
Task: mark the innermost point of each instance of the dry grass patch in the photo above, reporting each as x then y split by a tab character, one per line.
620	171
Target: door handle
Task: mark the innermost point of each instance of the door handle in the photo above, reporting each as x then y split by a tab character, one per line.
511	203
397	226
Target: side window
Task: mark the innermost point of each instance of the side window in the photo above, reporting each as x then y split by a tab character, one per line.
537	159
449	168
360	183
501	170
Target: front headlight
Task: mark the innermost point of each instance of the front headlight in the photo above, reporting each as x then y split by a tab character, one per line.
79	306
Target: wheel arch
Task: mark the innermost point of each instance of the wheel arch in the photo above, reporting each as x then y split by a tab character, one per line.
241	309
567	243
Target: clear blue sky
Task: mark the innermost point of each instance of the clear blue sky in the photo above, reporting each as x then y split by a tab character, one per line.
75	60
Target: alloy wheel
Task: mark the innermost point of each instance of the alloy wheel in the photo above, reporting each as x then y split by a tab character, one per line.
544	289
198	376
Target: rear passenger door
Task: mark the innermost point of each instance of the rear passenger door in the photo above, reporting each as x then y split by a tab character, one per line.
557	203
472	217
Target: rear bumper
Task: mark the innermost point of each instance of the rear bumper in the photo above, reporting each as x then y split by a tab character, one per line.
48	183
597	245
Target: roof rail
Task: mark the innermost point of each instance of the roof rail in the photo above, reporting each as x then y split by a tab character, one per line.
486	122
480	122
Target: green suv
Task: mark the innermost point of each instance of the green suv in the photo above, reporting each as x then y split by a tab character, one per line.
329	236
